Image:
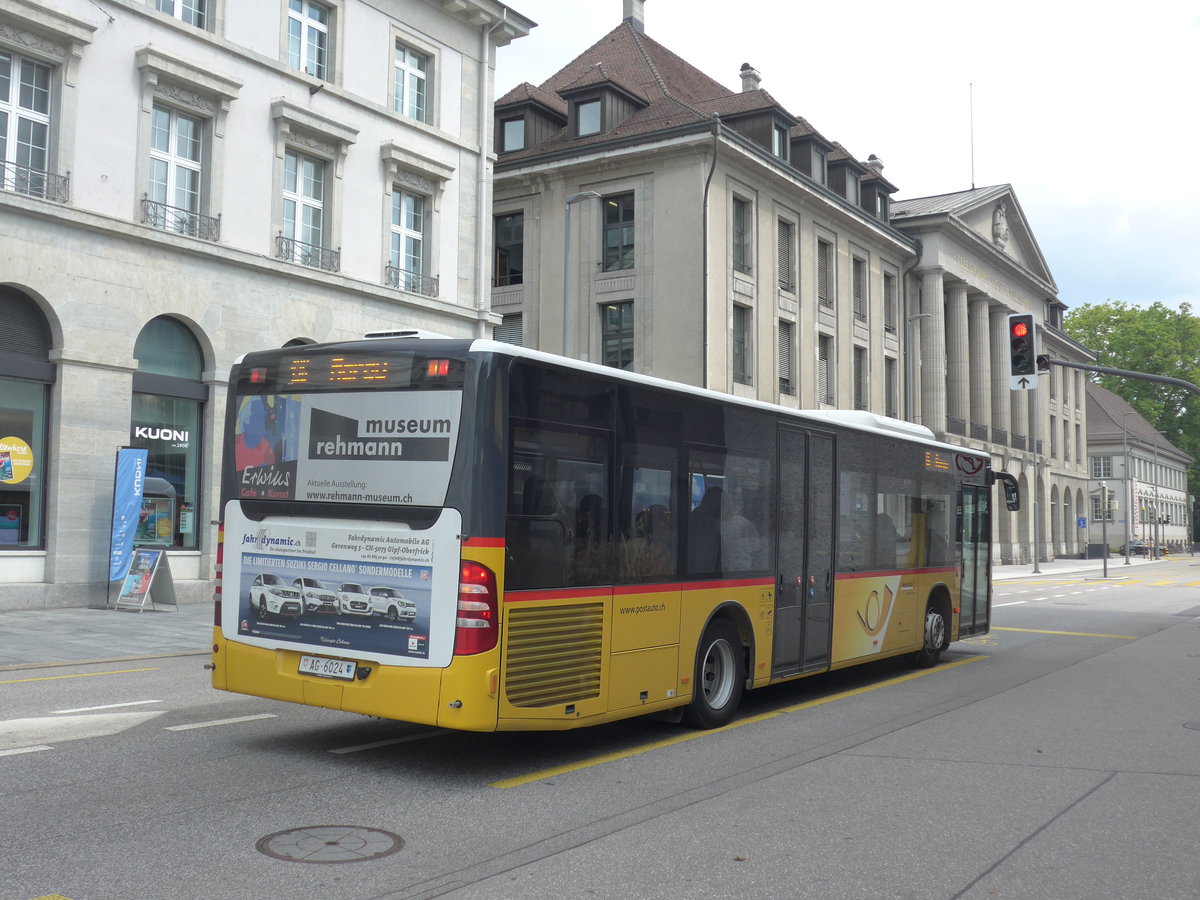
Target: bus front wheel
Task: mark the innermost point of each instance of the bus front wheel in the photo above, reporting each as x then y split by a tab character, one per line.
719	676
933	639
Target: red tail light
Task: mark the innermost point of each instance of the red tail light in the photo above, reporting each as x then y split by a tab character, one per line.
478	623
217	580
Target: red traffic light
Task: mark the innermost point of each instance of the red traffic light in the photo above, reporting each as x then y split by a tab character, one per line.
1020	329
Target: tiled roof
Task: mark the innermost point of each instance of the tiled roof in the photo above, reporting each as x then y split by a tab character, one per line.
526	92
1111	417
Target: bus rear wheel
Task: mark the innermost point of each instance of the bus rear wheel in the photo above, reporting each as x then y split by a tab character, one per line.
934	637
719	676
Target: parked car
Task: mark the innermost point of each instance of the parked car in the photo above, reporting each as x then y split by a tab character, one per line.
317	597
1143	548
353	599
271	595
386	601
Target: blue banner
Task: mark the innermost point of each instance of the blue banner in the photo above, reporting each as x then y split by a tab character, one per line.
127	506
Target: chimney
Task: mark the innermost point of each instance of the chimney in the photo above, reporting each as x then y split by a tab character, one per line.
635	15
875	164
750	78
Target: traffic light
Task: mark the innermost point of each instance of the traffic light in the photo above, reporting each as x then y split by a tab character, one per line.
1022	345
1043	363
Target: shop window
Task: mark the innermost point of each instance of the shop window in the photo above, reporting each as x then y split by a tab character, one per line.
168	407
25	378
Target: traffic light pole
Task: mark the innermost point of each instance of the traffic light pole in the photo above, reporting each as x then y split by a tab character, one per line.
1037	462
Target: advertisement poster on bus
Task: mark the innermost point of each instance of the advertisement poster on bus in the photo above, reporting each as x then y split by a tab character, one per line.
365	447
342	588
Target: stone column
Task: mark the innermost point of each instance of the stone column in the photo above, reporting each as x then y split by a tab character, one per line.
933	352
1001	401
980	362
958	356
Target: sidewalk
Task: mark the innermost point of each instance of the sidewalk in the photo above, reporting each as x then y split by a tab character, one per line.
47	637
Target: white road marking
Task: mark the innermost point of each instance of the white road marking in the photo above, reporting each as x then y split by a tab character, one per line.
1014	603
16	733
215	722
63	712
25	750
400	740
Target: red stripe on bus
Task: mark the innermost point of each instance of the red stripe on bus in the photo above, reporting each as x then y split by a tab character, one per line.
483	542
625	590
847	576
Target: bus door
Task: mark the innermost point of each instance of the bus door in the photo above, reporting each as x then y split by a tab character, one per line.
976	560
804	550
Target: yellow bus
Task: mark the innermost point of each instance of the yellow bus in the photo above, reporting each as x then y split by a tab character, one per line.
472	535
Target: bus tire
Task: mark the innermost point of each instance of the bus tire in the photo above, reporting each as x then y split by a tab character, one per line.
719	676
933	637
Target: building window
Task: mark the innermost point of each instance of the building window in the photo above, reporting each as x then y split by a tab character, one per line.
512	134
890	393
786	256
1078	445
890	303
302	238
881	206
1099	514
509	266
587	118
779	141
860	378
510	330
168	402
618	232
191	12
308	37
858	270
741	344
818	165
1053	437
787	372
26	374
408	250
824	368
852	186
617	334
25	124
742	235
176	170
411	74
825	281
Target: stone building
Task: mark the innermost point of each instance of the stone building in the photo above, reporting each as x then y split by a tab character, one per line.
715	238
185	181
1144	479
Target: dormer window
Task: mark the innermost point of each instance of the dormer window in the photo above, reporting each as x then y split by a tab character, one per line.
512	134
852	187
779	141
881	206
818	166
587	118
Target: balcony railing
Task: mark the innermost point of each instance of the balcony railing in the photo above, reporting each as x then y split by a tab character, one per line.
34	182
413	282
308	254
180	221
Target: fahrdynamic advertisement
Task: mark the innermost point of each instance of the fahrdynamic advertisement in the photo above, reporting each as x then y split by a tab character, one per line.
342	588
354	447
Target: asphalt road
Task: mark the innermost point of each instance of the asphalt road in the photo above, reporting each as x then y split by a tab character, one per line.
1057	757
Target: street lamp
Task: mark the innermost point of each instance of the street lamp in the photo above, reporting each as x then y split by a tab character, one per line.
582	195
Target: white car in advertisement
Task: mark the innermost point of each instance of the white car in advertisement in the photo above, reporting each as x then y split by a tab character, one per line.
353	599
317	597
392	604
271	595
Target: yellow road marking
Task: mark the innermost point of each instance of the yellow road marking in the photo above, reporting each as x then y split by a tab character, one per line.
84	675
692	735
1161	583
1121	637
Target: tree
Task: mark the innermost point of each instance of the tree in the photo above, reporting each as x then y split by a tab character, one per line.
1157	340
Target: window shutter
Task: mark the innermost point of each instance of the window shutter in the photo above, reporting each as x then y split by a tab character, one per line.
784	255
824	285
823	360
785	358
509	331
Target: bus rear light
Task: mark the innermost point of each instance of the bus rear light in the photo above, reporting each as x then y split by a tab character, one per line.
220	574
477	623
437	368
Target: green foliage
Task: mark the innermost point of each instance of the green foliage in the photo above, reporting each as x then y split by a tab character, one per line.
1156	340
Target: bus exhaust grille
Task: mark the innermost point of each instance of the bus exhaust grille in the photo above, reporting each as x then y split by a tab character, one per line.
553	655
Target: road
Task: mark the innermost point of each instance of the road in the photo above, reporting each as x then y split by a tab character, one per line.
1056	757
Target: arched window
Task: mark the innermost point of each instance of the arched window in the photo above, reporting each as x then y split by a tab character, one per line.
26	374
168	408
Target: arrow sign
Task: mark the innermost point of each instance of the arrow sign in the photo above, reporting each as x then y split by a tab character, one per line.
1021	383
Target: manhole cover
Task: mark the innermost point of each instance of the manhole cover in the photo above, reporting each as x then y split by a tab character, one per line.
330	844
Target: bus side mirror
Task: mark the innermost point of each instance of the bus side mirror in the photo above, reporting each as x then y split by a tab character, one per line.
1012	494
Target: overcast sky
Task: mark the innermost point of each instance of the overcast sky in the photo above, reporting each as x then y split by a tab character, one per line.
1091	112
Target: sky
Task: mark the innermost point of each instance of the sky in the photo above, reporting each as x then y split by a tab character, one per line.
1091	112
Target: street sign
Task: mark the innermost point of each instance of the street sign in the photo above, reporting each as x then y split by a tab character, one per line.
1022	382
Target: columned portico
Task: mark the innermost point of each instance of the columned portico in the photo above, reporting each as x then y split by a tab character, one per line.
1001	404
980	364
958	360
